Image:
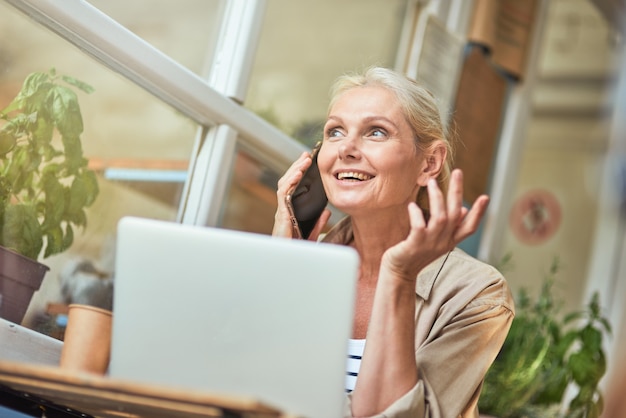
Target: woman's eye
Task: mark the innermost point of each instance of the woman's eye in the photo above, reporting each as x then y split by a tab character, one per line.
334	133
378	133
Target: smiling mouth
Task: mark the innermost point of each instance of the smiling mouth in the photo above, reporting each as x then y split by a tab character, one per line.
353	176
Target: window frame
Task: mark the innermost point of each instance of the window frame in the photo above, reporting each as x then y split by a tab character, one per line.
211	103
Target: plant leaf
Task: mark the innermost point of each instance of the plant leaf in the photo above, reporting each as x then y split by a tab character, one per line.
54	202
54	241
66	111
7	142
78	84
77	218
21	231
591	338
32	84
73	153
43	129
68	238
582	367
91	186
77	196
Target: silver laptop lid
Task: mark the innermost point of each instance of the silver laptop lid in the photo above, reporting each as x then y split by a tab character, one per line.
234	313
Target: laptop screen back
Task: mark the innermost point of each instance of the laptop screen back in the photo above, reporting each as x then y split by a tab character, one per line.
234	313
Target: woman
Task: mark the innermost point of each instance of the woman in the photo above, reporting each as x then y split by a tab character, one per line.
433	318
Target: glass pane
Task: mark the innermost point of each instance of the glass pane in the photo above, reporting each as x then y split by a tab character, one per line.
251	200
185	30
304	46
138	147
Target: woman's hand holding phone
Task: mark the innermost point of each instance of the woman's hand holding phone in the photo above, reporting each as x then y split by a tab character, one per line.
289	204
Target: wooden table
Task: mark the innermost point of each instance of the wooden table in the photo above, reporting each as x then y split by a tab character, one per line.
20	344
104	397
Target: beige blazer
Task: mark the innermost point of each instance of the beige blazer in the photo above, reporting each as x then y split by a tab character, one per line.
464	312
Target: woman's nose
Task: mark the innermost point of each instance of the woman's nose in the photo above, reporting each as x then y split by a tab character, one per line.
349	148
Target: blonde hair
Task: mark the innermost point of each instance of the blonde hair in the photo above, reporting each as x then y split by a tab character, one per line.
419	108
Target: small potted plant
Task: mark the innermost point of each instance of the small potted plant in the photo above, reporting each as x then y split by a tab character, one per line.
548	357
45	183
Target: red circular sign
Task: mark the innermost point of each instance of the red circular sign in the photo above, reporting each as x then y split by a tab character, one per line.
535	217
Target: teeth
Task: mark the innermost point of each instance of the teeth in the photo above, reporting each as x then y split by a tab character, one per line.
353	175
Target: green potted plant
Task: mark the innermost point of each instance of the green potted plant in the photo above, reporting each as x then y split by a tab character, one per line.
45	184
544	354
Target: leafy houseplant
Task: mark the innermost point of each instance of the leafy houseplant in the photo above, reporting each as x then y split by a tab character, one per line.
45	184
543	355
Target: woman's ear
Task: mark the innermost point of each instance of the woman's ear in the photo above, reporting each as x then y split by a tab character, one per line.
434	159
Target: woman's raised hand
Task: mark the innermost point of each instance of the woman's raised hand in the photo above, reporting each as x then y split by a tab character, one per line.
449	224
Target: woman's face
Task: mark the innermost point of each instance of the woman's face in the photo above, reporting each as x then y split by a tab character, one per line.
368	159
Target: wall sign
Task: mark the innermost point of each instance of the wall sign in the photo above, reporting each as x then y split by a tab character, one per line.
535	217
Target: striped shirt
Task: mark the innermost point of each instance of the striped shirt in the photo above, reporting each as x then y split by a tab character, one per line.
355	352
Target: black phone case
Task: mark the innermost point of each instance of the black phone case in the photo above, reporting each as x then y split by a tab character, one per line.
308	199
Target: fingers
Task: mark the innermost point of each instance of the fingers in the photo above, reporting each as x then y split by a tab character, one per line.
435	199
450	219
455	194
289	180
416	217
471	221
443	215
293	175
449	223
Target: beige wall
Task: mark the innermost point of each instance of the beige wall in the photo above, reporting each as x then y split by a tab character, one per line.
566	144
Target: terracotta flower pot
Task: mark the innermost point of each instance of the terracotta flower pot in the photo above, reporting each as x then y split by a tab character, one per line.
20	277
87	342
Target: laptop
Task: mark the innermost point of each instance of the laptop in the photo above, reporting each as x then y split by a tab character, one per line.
233	313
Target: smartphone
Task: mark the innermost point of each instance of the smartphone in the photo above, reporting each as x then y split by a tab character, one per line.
307	200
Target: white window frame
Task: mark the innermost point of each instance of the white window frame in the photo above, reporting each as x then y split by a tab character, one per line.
206	102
